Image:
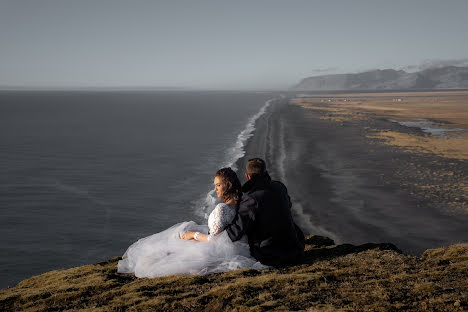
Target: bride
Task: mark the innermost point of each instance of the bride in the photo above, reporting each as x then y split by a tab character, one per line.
189	248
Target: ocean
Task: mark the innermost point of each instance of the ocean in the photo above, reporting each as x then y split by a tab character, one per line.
83	174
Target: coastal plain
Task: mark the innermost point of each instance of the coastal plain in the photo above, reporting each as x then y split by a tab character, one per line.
432	125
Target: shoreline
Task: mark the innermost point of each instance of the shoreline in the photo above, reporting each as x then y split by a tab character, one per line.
351	187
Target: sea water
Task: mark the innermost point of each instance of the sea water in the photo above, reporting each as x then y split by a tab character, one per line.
85	174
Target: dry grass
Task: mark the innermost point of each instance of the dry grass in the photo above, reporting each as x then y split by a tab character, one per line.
332	278
446	147
450	108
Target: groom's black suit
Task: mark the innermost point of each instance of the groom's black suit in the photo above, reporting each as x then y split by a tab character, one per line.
264	215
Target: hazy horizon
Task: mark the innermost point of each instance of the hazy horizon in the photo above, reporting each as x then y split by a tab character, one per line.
212	45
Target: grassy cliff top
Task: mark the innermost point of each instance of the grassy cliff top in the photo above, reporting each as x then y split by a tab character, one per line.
370	277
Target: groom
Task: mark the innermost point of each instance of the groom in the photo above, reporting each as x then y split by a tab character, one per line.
265	217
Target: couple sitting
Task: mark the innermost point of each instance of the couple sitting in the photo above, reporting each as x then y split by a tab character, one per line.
254	230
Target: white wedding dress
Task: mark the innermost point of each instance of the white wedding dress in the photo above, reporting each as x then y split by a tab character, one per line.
165	253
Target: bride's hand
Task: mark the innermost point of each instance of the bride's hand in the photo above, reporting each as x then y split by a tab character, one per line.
187	235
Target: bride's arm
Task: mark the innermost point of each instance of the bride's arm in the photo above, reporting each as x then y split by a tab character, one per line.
200	237
216	224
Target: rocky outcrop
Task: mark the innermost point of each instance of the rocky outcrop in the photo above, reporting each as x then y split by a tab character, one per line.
370	277
449	77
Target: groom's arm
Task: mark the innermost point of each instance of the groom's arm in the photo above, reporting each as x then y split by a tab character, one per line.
244	218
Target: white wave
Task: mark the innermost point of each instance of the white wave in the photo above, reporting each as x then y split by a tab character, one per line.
233	154
237	151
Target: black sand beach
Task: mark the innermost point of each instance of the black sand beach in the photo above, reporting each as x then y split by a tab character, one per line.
346	186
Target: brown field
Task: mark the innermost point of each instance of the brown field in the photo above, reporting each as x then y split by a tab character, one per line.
448	108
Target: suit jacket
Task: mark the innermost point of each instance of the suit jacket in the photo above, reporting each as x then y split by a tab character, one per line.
264	215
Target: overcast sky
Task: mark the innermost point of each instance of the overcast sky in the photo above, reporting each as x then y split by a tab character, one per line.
220	44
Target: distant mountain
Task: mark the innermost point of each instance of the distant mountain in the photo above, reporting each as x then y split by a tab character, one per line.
449	77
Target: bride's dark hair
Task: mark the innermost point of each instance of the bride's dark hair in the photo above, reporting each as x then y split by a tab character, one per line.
233	186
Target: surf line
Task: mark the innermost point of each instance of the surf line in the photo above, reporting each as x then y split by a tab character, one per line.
234	153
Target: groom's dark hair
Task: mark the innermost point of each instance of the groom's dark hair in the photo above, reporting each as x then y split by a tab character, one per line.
256	166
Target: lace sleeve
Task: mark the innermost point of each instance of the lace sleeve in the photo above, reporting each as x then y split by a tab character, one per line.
221	216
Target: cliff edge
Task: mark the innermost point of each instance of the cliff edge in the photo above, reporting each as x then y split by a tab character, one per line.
369	277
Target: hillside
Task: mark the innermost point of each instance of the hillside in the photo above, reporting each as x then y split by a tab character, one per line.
449	77
370	277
